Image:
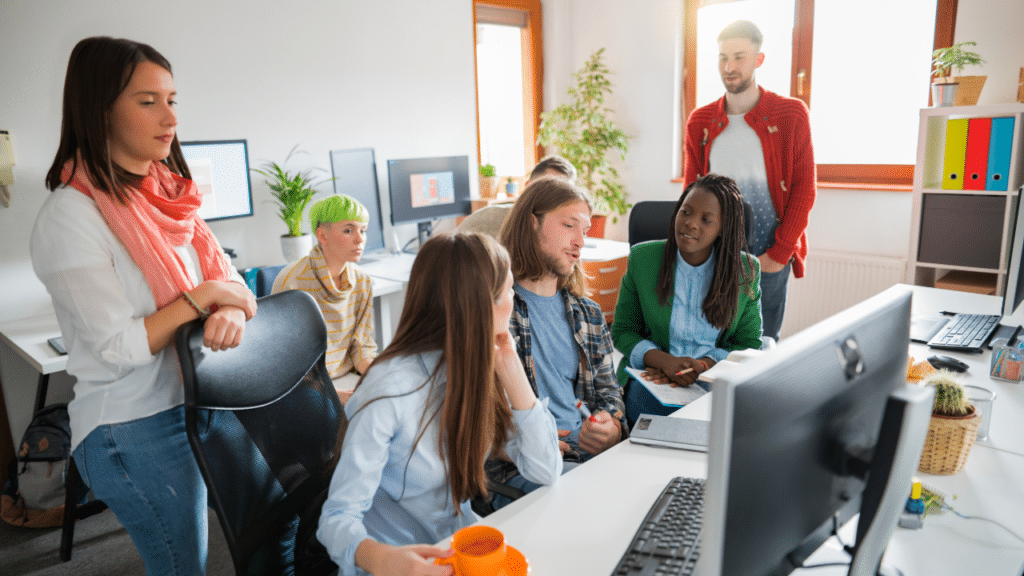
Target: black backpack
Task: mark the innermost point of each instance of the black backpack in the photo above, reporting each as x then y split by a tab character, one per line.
43	457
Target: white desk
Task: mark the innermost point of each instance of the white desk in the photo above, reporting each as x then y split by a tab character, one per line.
583	523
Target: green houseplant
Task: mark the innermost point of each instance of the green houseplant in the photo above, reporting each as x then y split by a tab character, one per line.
582	132
957	90
488	181
292	193
953	426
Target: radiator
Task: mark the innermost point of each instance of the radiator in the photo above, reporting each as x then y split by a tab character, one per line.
834	281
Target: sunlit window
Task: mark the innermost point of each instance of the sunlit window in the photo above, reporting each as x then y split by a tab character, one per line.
499	74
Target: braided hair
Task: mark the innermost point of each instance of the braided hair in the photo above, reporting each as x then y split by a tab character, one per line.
730	271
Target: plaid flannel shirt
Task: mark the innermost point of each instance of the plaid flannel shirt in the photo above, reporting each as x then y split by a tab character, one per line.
596	384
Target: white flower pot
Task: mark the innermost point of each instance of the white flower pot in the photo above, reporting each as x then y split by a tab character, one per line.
295	247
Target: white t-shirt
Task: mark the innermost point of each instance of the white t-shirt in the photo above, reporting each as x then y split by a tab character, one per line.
102	299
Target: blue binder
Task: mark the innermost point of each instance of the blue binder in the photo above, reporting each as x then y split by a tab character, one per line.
999	153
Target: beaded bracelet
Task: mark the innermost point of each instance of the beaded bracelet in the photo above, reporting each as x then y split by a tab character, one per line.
203	314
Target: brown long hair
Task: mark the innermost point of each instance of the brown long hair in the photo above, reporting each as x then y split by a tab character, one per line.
99	69
449	306
520	236
730	271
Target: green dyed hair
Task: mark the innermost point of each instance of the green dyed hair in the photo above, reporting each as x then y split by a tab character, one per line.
337	208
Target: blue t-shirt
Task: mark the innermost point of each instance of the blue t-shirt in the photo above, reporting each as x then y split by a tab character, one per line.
555	359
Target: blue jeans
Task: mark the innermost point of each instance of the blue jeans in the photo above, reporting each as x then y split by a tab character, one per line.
773	300
145	472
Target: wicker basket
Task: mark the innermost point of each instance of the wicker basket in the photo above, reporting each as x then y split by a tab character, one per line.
969	91
949	443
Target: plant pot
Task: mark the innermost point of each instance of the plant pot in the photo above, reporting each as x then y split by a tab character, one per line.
949	443
944	94
488	186
597	222
969	91
295	247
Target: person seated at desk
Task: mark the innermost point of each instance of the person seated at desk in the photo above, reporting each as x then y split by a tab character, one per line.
489	219
687	301
446	393
343	291
560	335
127	260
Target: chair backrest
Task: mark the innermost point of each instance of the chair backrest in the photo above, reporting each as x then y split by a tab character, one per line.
265	277
650	220
263	420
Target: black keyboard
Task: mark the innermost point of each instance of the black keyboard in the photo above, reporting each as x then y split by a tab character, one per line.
668	541
966	332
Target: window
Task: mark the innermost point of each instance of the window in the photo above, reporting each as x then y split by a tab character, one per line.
870	73
508	77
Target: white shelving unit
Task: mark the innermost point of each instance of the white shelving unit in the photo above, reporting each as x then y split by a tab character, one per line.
928	178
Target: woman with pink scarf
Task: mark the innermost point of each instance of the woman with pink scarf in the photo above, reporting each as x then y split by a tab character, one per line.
126	260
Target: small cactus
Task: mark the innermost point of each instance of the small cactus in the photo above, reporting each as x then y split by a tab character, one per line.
949	394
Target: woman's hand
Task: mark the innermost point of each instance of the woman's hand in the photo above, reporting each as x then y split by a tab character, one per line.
215	292
511	374
677	370
415	560
224	328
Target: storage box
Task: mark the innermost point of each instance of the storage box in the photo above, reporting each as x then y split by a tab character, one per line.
975	282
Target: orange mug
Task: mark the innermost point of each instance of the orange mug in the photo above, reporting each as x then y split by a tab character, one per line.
479	551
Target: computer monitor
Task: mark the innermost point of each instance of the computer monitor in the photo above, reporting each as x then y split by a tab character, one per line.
221	170
1013	293
426	189
355	174
796	443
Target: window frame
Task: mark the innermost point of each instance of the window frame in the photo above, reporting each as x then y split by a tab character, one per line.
898	177
533	76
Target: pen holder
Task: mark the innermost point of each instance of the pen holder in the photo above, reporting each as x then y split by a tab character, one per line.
1006	361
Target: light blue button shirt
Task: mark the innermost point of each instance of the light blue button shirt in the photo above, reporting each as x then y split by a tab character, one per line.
690	333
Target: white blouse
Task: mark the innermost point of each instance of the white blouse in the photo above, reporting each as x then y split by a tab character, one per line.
102	299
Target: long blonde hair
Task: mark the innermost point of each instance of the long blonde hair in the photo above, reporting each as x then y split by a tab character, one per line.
449	306
520	236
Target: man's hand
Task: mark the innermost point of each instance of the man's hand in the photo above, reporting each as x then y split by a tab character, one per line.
768	265
563	446
596	437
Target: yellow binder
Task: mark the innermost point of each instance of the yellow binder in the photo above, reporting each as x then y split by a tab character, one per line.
955	155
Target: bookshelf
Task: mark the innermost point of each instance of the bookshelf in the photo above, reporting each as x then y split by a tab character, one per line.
960	238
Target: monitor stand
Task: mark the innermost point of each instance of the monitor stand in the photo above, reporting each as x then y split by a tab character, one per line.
423	230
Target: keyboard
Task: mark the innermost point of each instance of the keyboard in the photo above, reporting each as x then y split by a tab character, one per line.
668	541
966	332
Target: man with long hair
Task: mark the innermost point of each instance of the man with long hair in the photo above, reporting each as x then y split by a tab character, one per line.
560	335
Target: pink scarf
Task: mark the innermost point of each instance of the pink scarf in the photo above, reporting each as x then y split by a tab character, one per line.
161	213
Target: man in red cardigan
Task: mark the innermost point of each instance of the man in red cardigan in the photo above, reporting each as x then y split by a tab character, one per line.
763	141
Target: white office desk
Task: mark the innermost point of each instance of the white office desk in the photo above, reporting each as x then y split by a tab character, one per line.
583	523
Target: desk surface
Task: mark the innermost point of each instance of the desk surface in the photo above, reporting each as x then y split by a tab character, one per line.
583	523
28	336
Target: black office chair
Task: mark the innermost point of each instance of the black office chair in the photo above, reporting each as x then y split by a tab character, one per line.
263	420
650	220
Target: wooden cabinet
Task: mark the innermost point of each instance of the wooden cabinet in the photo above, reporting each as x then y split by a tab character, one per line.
965	200
604	262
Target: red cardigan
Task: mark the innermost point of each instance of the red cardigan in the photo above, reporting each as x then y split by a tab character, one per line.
783	126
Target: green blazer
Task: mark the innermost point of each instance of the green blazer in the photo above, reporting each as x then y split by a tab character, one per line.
639	316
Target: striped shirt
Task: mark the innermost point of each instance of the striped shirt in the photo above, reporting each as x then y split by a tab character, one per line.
347	309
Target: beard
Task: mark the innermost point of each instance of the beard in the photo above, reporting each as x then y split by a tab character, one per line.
739	88
556	267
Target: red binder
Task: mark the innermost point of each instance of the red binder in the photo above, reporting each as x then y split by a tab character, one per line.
979	131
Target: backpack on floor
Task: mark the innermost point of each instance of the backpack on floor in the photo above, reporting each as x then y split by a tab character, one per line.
41	465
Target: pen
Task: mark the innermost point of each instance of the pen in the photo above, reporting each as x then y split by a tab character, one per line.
687	371
585	411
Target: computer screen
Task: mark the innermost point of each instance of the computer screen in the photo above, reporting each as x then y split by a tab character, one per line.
355	174
427	189
221	170
1013	293
793	434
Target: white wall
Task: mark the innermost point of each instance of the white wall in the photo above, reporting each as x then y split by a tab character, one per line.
326	74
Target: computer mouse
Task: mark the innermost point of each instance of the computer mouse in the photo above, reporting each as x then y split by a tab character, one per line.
947	363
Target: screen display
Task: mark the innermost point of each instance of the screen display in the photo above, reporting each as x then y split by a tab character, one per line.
221	171
425	189
432	188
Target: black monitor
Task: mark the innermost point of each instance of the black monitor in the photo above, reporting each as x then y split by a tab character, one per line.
426	189
797	446
1013	292
355	174
221	170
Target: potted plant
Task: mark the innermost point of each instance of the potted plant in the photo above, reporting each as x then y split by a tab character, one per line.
292	192
953	426
958	90
583	134
488	181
